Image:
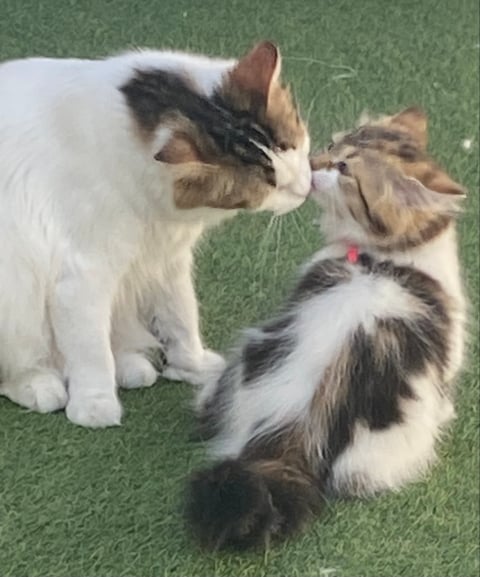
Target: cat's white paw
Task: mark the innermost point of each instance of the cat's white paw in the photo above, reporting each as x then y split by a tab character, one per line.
213	366
207	370
95	410
41	391
135	371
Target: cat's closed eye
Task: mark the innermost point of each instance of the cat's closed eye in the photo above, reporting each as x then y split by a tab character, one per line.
281	147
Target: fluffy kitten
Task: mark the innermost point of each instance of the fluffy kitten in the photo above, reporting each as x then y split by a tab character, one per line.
110	170
347	390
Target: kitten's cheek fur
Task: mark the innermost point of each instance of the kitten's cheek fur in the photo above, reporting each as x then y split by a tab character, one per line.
324	185
324	181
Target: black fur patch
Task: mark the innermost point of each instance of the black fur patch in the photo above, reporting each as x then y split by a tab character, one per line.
375	388
153	95
420	341
261	356
295	502
209	419
237	504
279	324
378	382
320	277
229	505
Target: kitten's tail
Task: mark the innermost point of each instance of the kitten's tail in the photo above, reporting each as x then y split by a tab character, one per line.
241	503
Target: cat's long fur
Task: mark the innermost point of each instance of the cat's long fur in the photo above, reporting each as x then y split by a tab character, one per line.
347	390
110	170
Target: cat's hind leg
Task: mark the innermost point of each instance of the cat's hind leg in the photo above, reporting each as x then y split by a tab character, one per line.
38	390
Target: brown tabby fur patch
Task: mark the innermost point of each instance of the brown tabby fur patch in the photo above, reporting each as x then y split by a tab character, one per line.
216	163
280	117
376	154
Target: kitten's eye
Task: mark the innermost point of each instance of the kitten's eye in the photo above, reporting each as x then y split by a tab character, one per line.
330	146
342	167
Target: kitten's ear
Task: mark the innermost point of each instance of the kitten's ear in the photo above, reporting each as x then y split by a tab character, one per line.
442	194
178	149
442	183
414	121
258	70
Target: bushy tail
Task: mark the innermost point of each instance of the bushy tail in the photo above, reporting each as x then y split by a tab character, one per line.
242	504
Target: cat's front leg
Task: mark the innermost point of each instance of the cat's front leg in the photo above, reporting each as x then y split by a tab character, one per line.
139	357
81	310
176	325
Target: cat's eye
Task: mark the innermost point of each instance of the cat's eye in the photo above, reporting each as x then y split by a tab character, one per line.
281	147
330	146
342	167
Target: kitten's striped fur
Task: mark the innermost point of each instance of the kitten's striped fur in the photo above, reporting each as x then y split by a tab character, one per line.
347	390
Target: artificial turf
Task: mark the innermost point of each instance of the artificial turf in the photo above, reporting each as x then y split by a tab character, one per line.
103	503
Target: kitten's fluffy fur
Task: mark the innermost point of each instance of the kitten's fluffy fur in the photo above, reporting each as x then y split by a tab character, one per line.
109	172
347	390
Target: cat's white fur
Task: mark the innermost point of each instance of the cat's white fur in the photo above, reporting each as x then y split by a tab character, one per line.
92	246
377	459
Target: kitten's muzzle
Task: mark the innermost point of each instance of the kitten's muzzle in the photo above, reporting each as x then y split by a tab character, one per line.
324	180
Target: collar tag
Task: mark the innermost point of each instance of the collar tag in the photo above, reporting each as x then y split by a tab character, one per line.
352	254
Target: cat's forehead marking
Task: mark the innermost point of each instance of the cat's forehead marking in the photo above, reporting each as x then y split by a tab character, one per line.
280	118
156	96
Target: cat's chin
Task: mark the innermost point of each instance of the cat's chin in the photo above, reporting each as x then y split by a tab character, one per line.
280	203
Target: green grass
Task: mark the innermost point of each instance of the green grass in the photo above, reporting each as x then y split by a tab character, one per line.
78	502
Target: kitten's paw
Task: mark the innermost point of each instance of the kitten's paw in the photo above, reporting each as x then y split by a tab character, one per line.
95	410
41	391
135	371
206	371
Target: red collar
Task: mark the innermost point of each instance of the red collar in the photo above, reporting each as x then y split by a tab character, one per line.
352	253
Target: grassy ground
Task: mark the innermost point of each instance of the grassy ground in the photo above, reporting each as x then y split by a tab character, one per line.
77	502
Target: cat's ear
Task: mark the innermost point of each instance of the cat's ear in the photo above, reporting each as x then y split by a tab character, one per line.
442	192
178	149
414	121
258	70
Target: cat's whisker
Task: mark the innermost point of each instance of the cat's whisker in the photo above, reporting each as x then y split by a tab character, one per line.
310	108
264	244
277	248
266	235
298	223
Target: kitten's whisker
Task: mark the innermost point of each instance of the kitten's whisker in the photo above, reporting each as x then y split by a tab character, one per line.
308	60
264	244
332	212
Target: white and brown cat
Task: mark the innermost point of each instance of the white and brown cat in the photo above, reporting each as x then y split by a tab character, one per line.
347	390
110	170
